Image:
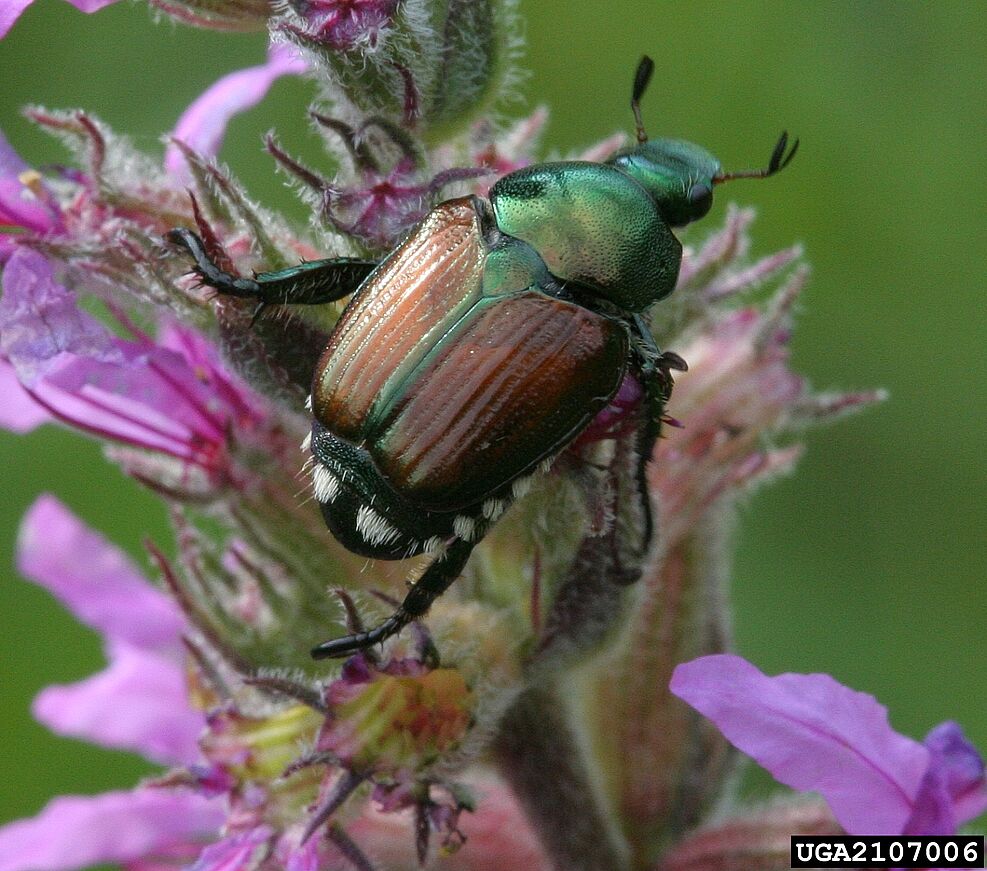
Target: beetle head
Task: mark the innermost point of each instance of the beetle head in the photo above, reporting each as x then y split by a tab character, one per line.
678	175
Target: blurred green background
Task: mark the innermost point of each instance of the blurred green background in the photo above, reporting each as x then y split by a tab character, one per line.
869	562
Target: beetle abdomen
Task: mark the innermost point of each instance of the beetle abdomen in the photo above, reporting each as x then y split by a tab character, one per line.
363	513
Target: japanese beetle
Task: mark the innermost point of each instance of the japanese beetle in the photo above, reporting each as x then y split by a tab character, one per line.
484	344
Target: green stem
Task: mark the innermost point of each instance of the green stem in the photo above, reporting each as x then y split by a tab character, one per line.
542	761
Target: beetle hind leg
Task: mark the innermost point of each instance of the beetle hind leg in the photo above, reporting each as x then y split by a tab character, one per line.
437	579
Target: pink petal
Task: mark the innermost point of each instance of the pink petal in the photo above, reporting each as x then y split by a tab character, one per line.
7	247
201	358
111	417
812	733
954	789
10	11
18	412
240	852
145	390
135	392
962	767
140	703
11	163
932	811
19	205
40	322
79	831
94	580
175	857
304	858
19	208
203	124
90	6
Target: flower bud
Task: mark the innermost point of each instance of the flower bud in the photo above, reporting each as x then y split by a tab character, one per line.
431	65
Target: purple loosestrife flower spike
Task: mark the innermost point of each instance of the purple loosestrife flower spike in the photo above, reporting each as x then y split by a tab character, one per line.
272	761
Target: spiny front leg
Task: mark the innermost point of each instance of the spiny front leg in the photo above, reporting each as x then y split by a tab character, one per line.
311	283
436	580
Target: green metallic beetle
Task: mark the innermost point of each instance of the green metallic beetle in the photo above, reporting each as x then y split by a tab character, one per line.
489	340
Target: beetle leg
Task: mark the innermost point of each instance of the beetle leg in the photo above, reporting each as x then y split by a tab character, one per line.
647	435
655	371
648	347
311	283
436	580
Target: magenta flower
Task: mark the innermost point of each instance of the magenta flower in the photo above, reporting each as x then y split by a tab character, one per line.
387	203
170	397
139	703
814	734
384	202
66	206
24	201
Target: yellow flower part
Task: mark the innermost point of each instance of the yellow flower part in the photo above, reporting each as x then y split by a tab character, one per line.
260	748
397	721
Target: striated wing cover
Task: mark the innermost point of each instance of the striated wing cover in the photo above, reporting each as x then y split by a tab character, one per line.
453	392
403	309
521	376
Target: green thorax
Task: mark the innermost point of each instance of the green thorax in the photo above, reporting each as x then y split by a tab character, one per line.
594	226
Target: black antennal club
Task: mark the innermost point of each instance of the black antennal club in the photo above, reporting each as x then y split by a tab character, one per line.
641	78
779	160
